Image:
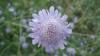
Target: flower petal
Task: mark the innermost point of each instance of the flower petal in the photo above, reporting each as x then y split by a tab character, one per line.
64	18
69	31
35	16
70	25
35	20
56	14
51	10
35	41
31	23
32	35
49	49
44	14
61	46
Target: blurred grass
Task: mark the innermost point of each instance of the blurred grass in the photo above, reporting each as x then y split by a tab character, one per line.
87	11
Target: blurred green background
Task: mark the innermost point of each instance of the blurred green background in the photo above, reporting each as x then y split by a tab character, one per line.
14	14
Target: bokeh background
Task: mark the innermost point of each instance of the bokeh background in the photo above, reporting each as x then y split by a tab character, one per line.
15	14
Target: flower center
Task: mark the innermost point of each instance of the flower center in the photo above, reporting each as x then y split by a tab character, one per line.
50	30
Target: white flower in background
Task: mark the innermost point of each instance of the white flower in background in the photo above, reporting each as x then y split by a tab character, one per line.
11	9
49	29
22	39
75	20
65	54
93	37
2	43
1	12
8	30
71	51
25	45
23	42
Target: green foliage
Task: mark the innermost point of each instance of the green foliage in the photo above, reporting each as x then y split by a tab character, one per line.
86	33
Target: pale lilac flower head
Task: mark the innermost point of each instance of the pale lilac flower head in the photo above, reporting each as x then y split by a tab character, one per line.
49	29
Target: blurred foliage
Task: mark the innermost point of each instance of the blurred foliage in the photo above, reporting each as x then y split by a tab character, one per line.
14	14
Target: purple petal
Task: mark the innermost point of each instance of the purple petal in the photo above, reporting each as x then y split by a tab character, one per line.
32	35
56	14
35	16
51	10
35	41
35	20
61	46
31	23
68	31
64	18
49	49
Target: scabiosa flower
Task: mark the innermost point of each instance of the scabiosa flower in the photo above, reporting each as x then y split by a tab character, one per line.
49	29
